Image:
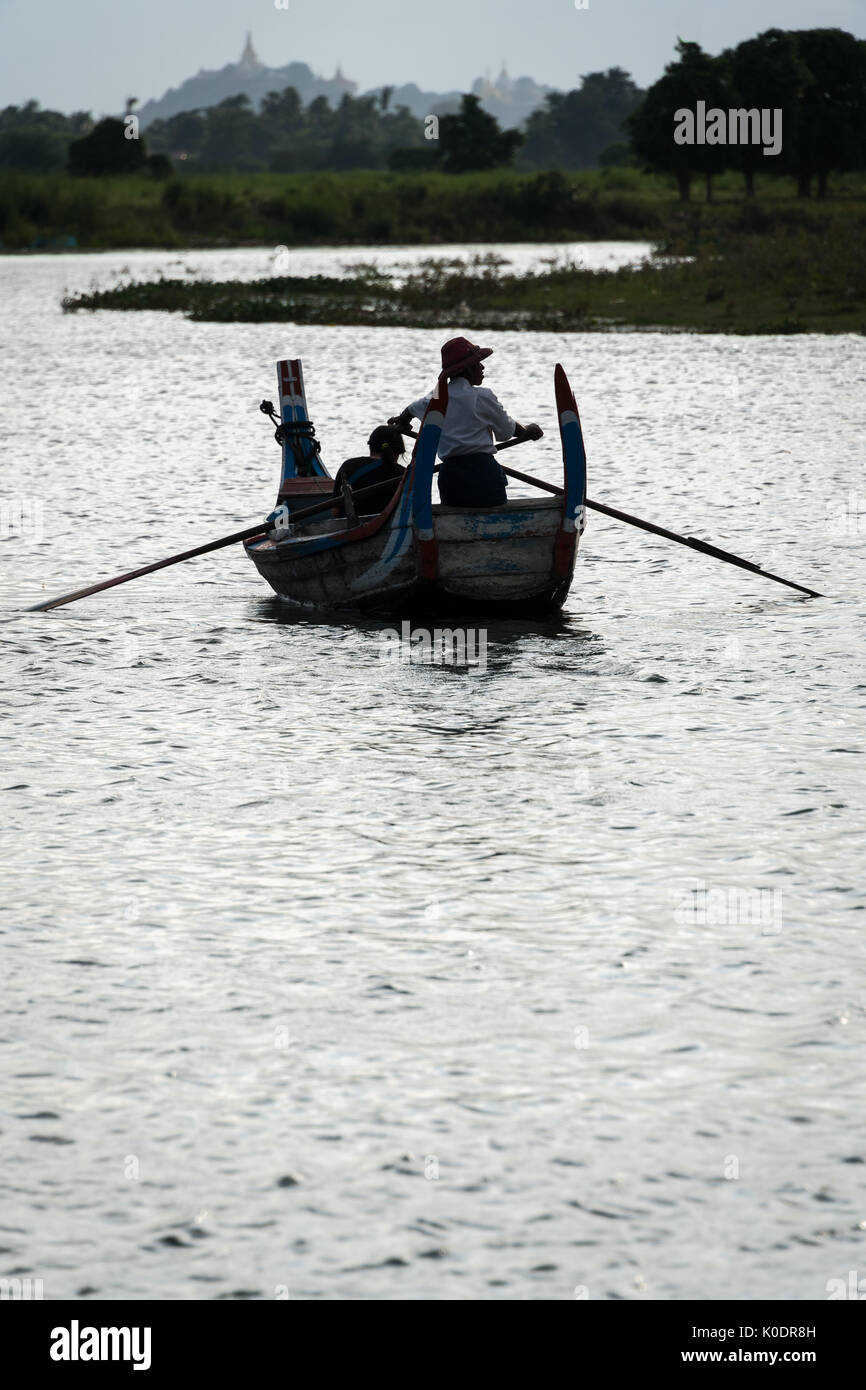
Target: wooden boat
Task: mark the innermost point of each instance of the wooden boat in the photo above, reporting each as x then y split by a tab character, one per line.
417	555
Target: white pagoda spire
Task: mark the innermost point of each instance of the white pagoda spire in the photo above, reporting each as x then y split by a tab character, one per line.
249	58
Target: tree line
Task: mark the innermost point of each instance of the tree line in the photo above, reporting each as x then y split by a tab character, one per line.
816	78
573	130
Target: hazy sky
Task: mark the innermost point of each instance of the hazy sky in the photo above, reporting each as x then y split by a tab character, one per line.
92	54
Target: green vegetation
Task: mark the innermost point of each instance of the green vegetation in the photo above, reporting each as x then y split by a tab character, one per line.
471	140
114	147
284	136
571	131
387	209
322	209
38	141
811	82
584	127
815	79
796	278
759	255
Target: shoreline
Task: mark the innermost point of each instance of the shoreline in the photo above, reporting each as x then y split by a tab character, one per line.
732	285
336	244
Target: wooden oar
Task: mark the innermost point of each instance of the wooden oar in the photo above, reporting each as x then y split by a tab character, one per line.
691	541
250	533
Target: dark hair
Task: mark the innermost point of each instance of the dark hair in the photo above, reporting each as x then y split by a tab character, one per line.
387	441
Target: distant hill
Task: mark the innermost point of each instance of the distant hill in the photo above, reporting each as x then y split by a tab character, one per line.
250	76
510	101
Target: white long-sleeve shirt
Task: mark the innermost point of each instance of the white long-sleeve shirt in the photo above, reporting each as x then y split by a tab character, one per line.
473	419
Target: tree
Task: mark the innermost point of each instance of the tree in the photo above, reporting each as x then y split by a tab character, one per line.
767	73
471	139
405	146
416	159
34	149
182	135
233	137
357	134
106	150
36	140
318	133
695	76
159	166
831	125
283	127
572	128
282	112
615	156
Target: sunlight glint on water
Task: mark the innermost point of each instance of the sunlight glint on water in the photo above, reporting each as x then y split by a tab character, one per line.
374	980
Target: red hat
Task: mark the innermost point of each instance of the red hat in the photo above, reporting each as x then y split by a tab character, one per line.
459	353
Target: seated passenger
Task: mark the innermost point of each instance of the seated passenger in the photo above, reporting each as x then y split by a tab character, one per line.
380	467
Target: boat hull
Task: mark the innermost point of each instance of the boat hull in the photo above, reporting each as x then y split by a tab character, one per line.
494	562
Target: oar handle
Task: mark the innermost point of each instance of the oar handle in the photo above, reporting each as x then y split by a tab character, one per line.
506	443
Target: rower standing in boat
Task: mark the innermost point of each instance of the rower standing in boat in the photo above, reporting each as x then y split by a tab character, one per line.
379	467
469	475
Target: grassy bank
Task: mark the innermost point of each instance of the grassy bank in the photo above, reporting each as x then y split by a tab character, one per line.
790	281
58	212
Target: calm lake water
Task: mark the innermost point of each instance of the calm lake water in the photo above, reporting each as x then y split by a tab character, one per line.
329	977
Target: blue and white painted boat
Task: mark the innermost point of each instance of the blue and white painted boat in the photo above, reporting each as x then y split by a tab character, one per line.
418	555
